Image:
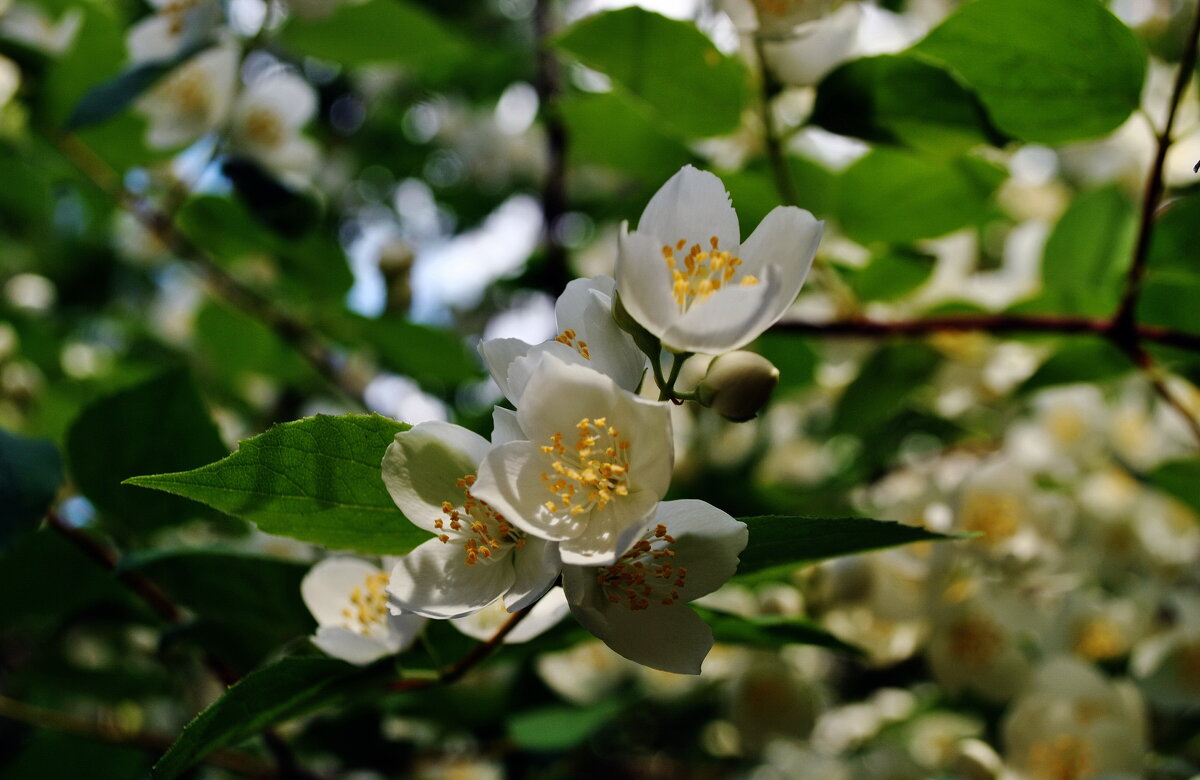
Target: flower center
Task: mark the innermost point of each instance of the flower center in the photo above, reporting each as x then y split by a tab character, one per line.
974	641
262	127
701	273
1062	757
570	338
588	475
368	605
176	13
191	93
644	573
995	515
483	531
1097	639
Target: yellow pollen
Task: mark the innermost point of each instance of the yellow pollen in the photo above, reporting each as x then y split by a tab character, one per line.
368	605
479	527
262	127
1061	757
191	92
1097	639
974	641
700	273
588	475
644	574
996	515
572	340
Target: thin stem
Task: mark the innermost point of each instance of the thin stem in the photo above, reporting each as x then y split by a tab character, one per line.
1154	375
39	717
548	83
1124	320
292	331
459	668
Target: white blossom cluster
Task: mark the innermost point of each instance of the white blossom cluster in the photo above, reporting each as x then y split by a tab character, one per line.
570	486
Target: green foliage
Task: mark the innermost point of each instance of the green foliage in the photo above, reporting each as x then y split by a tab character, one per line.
1047	72
1081	360
896	196
30	474
160	424
683	81
770	631
891	276
110	98
379	31
553	729
610	130
286	689
433	357
902	100
784	543
755	193
316	480
884	385
1179	478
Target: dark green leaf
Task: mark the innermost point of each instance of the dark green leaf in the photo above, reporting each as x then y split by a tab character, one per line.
672	66
30	473
1173	246
554	729
883	386
1086	256
286	689
1080	360
891	276
287	211
899	99
794	356
895	196
770	631
379	31
1046	71
610	131
316	479
1171	299
49	754
160	424
235	345
755	192
433	357
1179	478
112	97
777	542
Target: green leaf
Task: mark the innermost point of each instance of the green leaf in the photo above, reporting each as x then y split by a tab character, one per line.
1048	72
254	597
770	631
610	131
30	473
1171	299
902	100
554	729
234	345
379	31
110	98
1086	257
884	385
777	542
1173	244
755	194
433	357
1179	478
155	425
896	196
891	276
671	65
316	479
286	689
1079	360
96	53
793	355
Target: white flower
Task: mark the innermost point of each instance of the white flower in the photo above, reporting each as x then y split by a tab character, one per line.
808	53
348	598
638	604
266	123
714	294
546	614
588	335
192	100
176	26
595	461
478	555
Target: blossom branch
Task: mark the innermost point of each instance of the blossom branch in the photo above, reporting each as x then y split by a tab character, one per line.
459	668
303	339
234	761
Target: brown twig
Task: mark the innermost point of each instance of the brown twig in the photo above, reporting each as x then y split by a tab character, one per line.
548	83
456	670
232	760
292	331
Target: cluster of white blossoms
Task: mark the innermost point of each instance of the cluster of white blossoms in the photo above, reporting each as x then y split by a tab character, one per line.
569	488
261	120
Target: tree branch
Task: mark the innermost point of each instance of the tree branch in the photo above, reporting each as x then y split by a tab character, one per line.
548	82
456	670
311	346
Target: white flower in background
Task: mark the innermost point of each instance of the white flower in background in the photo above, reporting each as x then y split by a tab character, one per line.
637	605
477	554
776	17
1167	664
591	469
977	646
10	80
175	26
685	276
805	55
587	335
266	123
1072	723
546	614
348	598
193	99
29	23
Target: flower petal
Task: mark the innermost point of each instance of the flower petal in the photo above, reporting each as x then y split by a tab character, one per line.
510	481
422	466
545	614
403	630
286	95
644	282
693	205
498	355
725	321
536	566
787	239
435	581
505	427
609	533
327	586
707	542
347	645
585	307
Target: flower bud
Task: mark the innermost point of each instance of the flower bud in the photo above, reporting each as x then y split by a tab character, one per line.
738	384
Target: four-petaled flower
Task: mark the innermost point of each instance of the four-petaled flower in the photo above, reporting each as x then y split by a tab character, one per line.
685	276
595	462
